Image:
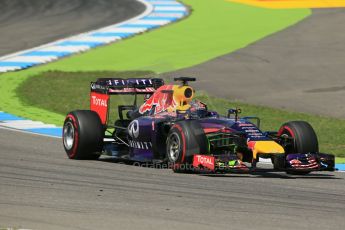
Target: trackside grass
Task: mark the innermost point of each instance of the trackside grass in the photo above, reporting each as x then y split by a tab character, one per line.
340	160
71	91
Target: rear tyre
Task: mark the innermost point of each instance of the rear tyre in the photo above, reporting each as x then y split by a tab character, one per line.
185	139
83	134
304	139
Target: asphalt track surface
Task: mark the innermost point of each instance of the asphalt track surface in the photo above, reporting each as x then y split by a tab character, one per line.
300	68
41	189
28	23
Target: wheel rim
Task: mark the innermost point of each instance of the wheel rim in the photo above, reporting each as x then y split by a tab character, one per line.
174	147
68	135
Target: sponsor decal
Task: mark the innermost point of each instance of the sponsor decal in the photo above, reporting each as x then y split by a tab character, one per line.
132	90
133	129
140	144
125	82
248	127
99	104
159	101
203	161
95	86
124	85
244	124
99	101
252	131
255	134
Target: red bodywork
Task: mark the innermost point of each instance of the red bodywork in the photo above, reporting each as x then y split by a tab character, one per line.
203	161
99	103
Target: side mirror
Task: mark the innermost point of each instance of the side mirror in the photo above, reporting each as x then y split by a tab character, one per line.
234	111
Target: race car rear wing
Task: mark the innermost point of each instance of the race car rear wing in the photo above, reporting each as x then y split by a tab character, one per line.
102	88
126	86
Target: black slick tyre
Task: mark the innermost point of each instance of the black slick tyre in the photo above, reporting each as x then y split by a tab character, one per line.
185	139
82	135
304	140
304	136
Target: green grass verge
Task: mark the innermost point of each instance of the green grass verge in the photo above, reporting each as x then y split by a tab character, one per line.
71	91
340	160
215	27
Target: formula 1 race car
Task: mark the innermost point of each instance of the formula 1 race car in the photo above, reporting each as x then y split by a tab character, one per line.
174	128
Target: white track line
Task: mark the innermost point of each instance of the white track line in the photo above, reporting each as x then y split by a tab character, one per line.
72	49
26	124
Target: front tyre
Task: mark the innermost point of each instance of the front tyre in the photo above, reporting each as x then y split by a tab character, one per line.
304	139
82	135
303	136
185	139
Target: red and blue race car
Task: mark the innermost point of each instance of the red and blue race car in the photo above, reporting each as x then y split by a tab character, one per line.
174	128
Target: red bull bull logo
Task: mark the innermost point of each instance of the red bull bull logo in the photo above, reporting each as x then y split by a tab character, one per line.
160	101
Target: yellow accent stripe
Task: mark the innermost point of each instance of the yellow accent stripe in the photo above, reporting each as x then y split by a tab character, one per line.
279	4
